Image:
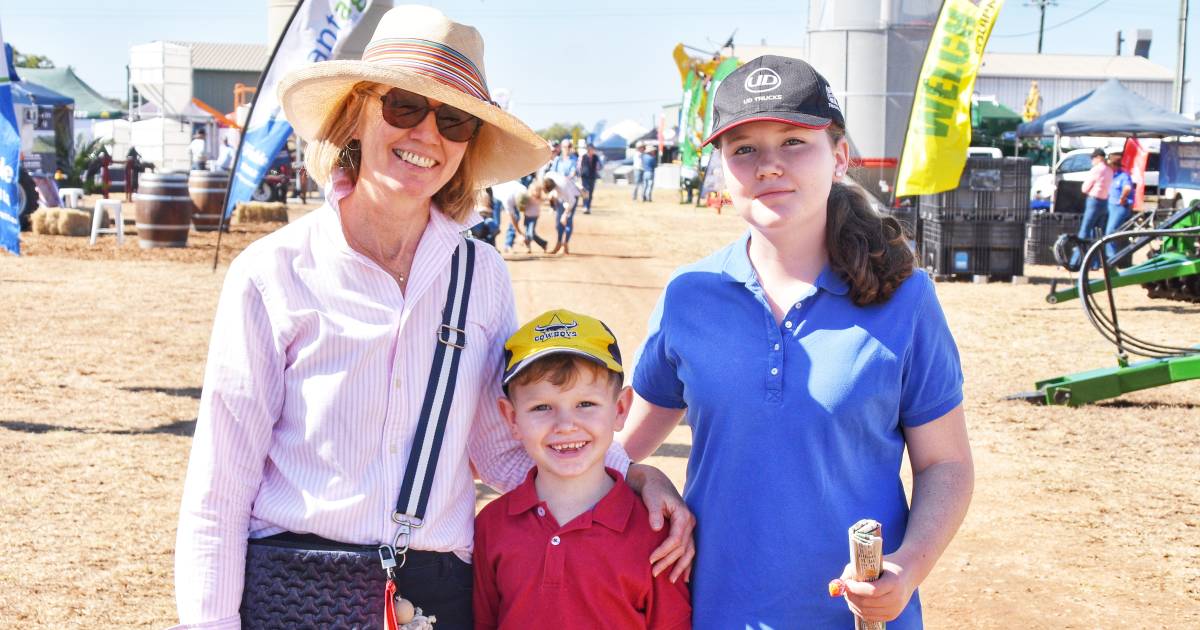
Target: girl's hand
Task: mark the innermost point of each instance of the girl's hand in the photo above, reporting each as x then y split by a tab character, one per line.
881	600
663	502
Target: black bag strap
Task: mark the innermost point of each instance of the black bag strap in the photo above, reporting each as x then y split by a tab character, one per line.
435	411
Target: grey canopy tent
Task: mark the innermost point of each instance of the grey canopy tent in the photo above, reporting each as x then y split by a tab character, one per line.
1110	110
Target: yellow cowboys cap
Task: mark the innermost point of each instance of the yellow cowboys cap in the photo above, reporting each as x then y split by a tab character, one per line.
561	331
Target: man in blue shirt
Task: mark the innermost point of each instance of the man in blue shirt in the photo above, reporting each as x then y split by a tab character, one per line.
649	163
1120	202
565	161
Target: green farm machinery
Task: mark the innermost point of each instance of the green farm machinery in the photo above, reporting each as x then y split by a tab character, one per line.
1171	271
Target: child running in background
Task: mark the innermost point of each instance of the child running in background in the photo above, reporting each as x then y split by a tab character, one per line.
522	205
565	197
489	210
567	548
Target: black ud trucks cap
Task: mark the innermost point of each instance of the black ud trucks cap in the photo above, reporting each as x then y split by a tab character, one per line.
778	89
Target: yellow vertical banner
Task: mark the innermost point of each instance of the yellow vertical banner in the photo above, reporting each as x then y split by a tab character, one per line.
939	127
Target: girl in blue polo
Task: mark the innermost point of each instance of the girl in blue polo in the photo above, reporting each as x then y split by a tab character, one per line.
807	356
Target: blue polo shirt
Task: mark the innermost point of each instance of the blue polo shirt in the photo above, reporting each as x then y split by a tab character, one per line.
796	430
1120	182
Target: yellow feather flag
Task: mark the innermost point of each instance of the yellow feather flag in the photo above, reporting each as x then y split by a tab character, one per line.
683	61
939	127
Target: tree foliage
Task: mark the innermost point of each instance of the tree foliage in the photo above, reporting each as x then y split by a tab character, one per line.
558	131
22	60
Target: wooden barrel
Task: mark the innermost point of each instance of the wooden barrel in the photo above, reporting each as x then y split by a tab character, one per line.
164	210
207	189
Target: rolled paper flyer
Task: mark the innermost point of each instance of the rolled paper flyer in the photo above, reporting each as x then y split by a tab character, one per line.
866	554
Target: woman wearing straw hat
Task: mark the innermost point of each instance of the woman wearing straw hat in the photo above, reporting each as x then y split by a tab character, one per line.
355	360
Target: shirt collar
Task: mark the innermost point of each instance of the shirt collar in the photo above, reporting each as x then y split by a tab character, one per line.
737	268
612	511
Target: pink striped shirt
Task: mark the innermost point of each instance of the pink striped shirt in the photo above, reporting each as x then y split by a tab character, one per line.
316	372
1098	181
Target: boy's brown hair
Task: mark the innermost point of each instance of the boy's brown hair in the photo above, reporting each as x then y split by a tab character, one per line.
563	370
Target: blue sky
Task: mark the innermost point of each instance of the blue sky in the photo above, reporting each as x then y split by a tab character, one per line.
563	61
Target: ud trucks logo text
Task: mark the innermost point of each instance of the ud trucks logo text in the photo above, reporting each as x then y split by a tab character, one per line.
762	80
556	328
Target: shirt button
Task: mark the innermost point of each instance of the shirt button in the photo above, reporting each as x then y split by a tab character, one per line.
399	383
555	540
774	371
776	347
541	511
798	304
787	324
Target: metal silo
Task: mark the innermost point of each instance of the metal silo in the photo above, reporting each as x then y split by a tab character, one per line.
871	52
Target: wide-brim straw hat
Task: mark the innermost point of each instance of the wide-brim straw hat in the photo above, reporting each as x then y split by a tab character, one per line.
419	49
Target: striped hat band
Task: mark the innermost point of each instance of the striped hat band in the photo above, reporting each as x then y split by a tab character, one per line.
432	59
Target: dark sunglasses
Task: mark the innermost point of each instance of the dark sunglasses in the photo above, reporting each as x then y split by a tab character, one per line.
404	110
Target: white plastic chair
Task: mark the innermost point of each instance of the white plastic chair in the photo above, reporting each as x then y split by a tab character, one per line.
70	197
114	207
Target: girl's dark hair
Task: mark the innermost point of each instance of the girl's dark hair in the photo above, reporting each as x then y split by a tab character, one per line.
867	250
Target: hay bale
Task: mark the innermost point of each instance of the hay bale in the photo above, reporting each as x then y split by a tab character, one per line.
74	222
260	212
62	221
38	218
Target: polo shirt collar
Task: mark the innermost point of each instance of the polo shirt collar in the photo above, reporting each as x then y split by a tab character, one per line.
737	268
612	511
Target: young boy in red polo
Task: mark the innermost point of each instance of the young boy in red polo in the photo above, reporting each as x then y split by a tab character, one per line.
567	548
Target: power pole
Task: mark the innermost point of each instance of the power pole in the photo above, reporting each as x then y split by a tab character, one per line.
1181	59
1041	5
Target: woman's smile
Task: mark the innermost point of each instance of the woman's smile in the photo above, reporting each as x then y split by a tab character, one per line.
415	159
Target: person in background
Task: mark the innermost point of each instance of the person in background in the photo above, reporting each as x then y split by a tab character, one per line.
489	210
198	151
635	175
649	163
565	161
224	156
590	165
506	194
530	205
1120	204
1095	209
565	198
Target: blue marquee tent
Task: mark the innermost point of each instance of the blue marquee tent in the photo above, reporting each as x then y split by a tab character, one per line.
1110	110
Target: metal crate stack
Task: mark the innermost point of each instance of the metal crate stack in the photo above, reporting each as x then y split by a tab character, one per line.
978	229
1043	229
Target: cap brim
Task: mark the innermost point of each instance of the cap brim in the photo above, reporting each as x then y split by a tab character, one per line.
523	363
510	149
787	118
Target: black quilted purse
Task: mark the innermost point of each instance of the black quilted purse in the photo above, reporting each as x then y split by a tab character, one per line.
309	585
299	581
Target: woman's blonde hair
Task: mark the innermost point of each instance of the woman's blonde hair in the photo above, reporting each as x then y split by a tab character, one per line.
336	146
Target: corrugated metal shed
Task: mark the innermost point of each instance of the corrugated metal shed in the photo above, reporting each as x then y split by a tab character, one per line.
215	87
1063	78
227	57
1102	67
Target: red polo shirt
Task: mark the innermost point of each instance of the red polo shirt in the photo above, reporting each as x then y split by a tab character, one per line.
593	572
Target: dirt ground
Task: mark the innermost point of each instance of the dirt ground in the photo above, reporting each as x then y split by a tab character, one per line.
1082	518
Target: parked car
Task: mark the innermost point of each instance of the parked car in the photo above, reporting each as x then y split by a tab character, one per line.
991	152
1074	167
617	170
